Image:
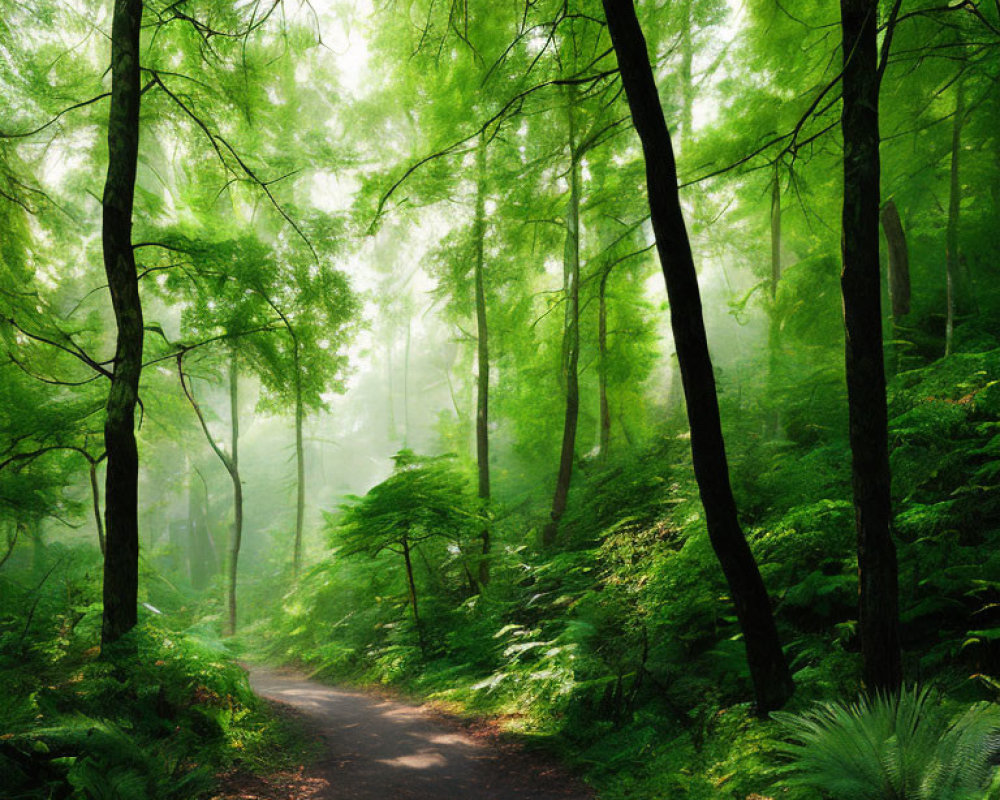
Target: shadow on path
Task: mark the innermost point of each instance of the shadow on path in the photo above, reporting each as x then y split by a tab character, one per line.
378	749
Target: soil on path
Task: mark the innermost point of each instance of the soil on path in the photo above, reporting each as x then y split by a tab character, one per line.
379	749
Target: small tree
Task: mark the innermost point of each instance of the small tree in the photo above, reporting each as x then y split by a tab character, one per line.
425	497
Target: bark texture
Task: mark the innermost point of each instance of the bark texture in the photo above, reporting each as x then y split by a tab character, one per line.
121	556
768	669
878	615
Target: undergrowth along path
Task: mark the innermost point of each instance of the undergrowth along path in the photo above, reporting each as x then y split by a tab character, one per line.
374	748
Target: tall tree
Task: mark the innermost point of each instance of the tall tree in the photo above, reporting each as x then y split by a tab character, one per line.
878	614
482	360
121	558
955	282
231	461
571	330
768	669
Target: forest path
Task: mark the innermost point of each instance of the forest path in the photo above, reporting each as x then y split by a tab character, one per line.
374	748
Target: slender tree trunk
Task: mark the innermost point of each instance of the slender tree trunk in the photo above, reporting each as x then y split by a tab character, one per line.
482	363
234	473
300	469
861	286
121	558
571	273
899	261
95	497
956	289
602	364
412	587
406	383
202	558
774	329
231	462
686	75
390	381
899	274
768	668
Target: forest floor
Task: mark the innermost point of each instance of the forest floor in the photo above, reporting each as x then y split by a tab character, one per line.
372	747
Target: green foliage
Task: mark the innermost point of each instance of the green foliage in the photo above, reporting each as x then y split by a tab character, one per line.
157	719
910	746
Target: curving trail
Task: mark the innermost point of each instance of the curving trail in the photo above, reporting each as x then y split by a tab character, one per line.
378	749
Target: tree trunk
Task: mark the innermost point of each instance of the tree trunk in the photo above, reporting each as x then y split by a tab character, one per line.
899	275
571	334
602	365
300	469
121	558
412	587
956	289
899	261
686	45
406	381
233	466
878	616
482	362
774	329
202	561
95	496
768	668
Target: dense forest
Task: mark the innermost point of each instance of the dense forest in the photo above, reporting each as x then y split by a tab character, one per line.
623	375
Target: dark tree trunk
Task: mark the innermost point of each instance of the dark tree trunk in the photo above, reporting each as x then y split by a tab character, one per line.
95	498
768	668
412	588
899	261
571	335
121	558
878	616
956	287
482	362
300	468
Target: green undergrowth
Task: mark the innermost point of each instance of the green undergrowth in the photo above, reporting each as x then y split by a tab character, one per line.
619	649
156	719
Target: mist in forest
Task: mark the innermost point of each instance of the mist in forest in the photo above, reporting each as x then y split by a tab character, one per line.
620	375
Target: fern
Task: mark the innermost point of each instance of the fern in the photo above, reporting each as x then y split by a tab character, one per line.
900	747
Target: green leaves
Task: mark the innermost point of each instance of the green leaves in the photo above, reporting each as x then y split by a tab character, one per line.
907	747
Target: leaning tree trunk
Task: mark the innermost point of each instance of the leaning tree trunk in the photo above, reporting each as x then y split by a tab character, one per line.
571	335
878	615
768	668
95	499
121	557
482	362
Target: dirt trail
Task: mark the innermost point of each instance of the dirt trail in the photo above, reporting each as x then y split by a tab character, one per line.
379	749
